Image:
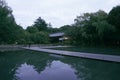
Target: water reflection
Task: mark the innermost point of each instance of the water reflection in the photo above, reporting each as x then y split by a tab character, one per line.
26	72
30	65
56	70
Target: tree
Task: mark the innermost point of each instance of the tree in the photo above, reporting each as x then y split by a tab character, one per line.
53	30
5	19
113	19
74	34
91	29
114	16
64	28
9	30
88	30
32	29
40	24
40	37
38	33
104	31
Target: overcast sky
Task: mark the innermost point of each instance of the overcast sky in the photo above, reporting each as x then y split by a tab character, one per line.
57	12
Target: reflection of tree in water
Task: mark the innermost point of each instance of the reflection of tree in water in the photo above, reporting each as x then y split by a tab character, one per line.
10	61
78	65
87	69
40	60
7	65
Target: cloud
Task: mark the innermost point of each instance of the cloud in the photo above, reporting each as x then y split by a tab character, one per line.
58	12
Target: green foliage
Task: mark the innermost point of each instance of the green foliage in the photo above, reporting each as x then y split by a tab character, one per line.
113	19
40	38
64	28
98	28
40	24
38	33
32	29
114	16
74	34
103	28
91	29
53	30
10	32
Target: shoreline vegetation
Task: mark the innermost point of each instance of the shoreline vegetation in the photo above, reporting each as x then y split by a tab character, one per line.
90	28
95	50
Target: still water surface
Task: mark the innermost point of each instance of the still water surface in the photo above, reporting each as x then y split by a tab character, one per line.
30	65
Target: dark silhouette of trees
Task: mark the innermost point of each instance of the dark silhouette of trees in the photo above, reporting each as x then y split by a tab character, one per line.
91	29
98	28
114	16
40	24
9	31
32	29
113	19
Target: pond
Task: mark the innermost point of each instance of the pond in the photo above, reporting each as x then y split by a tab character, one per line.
32	65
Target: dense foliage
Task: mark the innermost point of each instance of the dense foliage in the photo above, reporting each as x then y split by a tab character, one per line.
91	29
98	28
113	19
38	32
10	32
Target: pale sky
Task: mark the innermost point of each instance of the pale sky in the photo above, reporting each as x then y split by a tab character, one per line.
57	12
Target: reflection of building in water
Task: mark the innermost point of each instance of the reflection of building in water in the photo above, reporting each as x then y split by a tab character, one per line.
58	37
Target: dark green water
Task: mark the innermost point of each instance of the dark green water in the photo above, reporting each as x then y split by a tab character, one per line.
30	65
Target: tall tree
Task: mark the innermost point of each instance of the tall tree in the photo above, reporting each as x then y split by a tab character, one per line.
91	28
40	24
32	29
114	17
8	27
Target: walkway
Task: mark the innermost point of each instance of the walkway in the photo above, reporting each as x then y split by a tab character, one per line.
78	54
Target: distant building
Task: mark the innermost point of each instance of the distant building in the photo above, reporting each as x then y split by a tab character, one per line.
57	37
